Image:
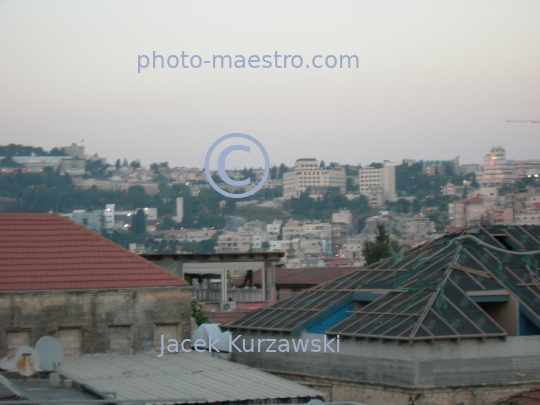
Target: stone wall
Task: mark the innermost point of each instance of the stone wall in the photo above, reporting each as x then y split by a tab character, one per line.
130	317
444	372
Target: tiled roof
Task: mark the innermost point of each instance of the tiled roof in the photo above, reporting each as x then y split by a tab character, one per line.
50	252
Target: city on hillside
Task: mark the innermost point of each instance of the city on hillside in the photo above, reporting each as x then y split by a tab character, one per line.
318	214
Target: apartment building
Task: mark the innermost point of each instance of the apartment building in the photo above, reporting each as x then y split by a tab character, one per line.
118	220
466	212
378	184
293	229
234	242
497	170
415	226
274	229
307	174
344	217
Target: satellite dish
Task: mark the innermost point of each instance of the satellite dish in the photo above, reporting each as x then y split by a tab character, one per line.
50	352
26	361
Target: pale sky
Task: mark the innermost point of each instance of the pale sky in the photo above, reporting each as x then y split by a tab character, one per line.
437	79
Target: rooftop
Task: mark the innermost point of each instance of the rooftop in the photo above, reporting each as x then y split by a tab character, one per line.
182	375
443	290
50	252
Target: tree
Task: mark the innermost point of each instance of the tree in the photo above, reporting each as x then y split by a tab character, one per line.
265	245
135	164
350	186
8	162
118	164
381	248
125	163
138	224
322	165
197	312
274	173
282	169
57	152
230	207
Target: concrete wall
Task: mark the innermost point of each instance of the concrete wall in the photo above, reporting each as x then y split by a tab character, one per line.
95	313
394	372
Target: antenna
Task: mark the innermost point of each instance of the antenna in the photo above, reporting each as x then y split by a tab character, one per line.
50	351
26	361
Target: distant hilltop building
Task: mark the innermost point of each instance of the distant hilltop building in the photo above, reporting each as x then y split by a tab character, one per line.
75	151
378	184
308	174
497	170
66	164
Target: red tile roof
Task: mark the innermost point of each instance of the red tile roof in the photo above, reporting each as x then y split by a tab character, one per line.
305	276
50	252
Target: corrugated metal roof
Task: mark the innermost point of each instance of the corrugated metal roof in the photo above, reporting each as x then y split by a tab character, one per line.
182	375
50	252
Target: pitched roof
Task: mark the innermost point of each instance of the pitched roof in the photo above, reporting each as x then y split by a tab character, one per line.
430	292
50	252
174	378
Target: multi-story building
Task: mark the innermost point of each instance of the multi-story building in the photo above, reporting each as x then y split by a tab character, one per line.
307	175
497	170
344	217
94	220
294	229
467	212
378	184
118	220
525	168
501	216
233	242
274	229
414	227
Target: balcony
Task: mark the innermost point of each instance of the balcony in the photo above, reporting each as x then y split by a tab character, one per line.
236	295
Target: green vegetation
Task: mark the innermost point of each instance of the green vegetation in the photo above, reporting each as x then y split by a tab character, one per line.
263	214
381	248
197	312
21	150
138	224
322	208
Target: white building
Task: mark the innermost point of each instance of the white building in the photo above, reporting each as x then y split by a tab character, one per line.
118	220
179	217
273	229
497	170
343	217
307	174
378	184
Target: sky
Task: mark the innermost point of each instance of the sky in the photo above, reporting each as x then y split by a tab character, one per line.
435	79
